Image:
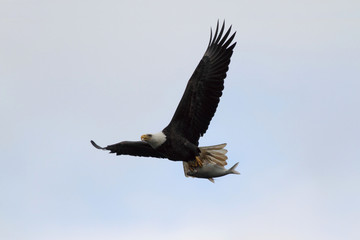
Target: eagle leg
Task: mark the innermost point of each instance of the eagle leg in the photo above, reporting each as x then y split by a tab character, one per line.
195	163
198	161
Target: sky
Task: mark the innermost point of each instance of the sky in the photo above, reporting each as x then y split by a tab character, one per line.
72	71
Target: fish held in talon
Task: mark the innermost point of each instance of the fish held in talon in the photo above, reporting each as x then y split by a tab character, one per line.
211	171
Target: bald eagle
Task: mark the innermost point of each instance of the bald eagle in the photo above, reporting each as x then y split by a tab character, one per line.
180	139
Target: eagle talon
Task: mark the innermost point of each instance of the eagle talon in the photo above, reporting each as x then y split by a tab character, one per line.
198	161
195	163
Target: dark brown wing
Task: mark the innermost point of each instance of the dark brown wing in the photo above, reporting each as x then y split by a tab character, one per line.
133	148
204	89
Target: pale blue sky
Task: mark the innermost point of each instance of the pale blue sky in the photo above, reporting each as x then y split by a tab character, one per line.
71	71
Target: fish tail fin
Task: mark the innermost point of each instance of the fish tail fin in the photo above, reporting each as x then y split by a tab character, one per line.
232	169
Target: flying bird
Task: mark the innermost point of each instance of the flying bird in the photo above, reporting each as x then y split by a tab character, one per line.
179	140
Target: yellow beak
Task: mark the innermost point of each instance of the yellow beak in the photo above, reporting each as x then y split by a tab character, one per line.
144	137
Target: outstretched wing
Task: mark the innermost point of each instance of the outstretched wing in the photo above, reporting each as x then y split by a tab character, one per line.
204	89
133	148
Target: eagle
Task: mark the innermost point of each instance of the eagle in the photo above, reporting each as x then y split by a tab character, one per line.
179	140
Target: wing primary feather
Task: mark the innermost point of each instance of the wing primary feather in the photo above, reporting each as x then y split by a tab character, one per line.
225	36
210	37
97	146
226	44
216	32
220	34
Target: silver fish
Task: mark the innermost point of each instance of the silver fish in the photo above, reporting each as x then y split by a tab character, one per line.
211	171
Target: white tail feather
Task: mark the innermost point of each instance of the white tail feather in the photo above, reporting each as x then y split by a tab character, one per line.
215	154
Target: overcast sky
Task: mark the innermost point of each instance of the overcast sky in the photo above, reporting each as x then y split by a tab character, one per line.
72	71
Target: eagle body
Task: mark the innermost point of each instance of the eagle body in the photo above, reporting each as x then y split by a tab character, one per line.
179	140
177	148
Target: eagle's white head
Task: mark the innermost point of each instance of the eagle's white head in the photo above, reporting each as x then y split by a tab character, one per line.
155	140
